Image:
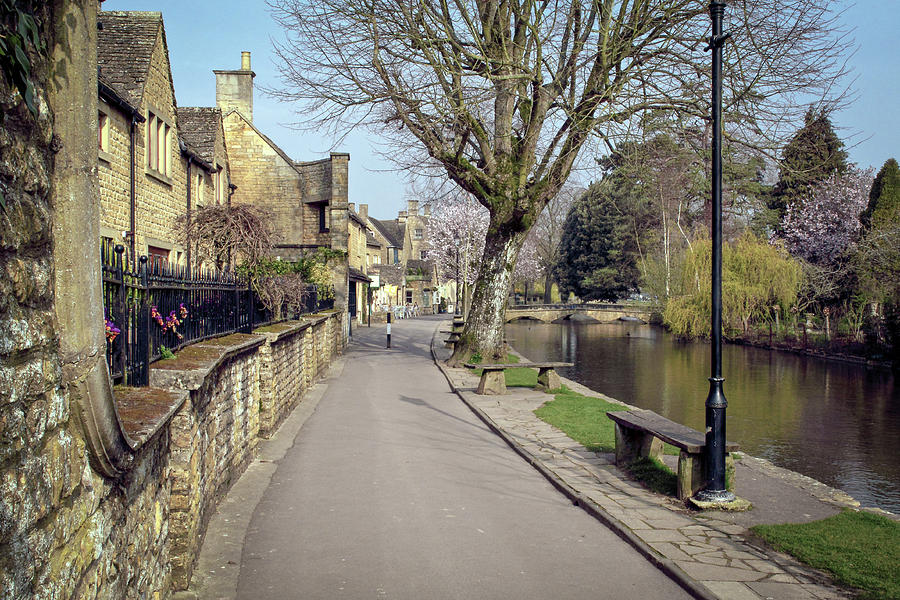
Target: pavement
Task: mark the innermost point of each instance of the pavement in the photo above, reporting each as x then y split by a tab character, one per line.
383	484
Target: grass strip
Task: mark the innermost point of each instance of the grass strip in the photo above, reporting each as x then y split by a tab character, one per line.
583	418
523	377
860	549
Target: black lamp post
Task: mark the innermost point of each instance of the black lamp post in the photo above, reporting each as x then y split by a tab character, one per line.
715	490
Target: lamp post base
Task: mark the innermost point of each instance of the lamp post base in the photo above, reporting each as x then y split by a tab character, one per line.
736	504
715	496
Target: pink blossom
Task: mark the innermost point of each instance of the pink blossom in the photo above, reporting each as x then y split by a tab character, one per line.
823	225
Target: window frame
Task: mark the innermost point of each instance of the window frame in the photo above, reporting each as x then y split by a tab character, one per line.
158	149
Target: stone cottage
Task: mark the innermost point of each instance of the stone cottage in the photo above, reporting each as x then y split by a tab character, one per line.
151	170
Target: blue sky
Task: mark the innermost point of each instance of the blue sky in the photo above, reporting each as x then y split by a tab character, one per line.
210	34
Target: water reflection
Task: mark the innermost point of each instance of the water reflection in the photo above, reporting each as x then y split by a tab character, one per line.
836	422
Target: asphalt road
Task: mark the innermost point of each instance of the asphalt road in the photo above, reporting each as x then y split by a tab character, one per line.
394	489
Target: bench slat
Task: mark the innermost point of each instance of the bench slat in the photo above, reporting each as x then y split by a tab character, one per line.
676	434
529	365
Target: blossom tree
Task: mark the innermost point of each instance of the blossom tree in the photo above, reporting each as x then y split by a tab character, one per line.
824	225
455	233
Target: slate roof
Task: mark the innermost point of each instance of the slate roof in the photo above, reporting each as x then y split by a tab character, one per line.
356	218
389	274
197	126
357	275
394	231
124	48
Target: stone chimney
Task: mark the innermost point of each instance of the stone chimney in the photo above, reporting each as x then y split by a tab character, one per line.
426	210
412	207
234	89
364	213
352	206
401	216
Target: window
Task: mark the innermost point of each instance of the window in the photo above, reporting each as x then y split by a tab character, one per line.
103	132
217	182
423	254
409	296
377	259
417	234
198	194
159	136
323	225
159	257
396	256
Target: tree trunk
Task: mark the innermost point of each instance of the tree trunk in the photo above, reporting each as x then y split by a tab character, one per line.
548	288
483	331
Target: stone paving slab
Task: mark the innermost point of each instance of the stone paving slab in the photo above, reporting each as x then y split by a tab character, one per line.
709	553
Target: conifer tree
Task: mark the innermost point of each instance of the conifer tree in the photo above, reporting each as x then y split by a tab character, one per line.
813	154
598	250
884	198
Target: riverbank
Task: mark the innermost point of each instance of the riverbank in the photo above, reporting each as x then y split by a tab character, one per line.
711	553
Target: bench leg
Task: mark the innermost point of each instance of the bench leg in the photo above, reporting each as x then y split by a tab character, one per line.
548	380
492	383
690	474
632	445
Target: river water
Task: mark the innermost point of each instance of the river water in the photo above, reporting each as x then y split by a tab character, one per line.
836	422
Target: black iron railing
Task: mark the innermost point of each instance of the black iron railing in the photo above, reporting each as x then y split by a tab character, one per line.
152	309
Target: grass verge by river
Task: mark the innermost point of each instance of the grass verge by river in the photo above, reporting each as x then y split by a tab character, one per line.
860	549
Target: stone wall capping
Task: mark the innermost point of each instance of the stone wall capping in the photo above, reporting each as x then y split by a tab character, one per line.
286	328
194	364
145	411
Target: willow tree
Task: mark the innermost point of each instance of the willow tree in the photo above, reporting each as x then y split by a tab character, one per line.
502	95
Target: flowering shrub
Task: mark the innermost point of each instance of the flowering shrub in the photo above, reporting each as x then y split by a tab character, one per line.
111	331
172	321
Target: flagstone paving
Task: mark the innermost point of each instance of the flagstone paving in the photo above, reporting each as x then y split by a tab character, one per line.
710	553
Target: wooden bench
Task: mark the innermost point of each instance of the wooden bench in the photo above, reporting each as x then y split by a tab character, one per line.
450	342
641	433
493	380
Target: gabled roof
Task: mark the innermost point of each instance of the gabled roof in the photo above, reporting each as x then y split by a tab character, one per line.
266	139
124	49
393	231
355	217
197	126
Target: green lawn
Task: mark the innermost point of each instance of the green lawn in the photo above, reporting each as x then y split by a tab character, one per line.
583	418
523	377
861	549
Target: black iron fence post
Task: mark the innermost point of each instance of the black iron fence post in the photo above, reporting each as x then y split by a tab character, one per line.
141	348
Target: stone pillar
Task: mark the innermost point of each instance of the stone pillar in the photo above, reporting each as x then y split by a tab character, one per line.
340	232
76	233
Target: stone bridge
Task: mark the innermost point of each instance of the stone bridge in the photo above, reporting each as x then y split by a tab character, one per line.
555	313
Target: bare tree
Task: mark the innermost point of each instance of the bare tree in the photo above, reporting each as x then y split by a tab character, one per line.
548	232
503	94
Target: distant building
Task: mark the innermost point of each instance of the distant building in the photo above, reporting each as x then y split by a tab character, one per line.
408	276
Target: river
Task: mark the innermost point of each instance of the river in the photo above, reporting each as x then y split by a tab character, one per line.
836	422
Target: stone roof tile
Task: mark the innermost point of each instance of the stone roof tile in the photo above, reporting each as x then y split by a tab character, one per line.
124	49
197	126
